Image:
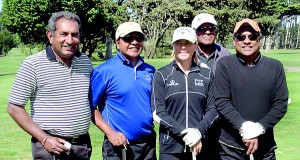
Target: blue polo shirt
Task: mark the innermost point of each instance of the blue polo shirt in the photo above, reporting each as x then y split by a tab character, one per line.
122	93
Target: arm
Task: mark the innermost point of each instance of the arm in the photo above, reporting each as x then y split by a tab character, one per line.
158	105
280	101
19	114
223	101
98	88
52	144
116	138
211	113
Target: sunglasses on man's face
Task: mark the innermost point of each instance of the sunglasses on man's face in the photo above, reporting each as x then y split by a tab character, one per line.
202	29
252	37
129	38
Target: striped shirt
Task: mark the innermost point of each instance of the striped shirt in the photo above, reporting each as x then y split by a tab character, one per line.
58	94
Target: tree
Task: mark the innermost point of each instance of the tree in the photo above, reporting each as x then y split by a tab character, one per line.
156	17
29	17
226	13
7	41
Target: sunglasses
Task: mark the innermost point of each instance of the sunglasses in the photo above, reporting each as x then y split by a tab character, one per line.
129	38
252	37
205	28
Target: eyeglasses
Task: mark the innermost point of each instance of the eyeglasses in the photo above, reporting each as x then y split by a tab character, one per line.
202	29
129	38
252	37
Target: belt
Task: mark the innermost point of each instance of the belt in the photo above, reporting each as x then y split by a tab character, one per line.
144	138
80	139
75	139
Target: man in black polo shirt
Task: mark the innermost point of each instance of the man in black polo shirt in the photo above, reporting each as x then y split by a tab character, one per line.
56	81
251	96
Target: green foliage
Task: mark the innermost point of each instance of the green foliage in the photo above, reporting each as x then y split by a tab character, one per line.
227	13
29	17
156	17
7	41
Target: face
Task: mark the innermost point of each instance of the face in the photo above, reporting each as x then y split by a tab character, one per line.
65	40
206	33
131	45
247	42
184	50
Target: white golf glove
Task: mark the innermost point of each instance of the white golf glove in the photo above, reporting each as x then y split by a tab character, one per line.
191	136
155	117
251	130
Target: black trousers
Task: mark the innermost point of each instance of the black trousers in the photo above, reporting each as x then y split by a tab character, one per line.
229	153
143	149
81	149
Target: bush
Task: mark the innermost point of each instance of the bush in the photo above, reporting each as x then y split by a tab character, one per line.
7	41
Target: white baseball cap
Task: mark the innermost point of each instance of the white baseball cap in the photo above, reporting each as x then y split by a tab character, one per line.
186	33
126	28
203	18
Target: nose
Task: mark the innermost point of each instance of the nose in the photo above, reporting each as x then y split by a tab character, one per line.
69	39
183	45
247	40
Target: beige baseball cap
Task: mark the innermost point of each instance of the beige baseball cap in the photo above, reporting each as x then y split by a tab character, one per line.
126	28
186	33
244	22
203	18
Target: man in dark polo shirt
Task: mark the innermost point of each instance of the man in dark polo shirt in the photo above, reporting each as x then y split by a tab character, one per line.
56	81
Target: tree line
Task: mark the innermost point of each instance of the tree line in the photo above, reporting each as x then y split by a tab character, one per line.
27	20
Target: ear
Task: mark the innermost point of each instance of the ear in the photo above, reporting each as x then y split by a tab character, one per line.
117	44
50	36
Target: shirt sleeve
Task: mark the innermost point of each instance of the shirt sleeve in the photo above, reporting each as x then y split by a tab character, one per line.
280	102
211	113
97	89
223	99
158	105
24	85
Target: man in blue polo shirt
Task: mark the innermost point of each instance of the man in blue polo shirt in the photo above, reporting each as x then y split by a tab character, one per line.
120	98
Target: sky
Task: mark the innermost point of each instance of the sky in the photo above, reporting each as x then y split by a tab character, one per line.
0	5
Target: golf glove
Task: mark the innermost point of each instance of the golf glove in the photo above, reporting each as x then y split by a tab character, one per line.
155	117
191	136
251	130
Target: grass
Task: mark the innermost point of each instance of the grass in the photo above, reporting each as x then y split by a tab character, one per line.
16	143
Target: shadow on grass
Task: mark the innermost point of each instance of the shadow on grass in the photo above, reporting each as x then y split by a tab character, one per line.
7	74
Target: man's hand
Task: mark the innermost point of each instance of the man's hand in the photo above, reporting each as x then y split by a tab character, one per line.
117	139
191	136
55	145
251	130
252	145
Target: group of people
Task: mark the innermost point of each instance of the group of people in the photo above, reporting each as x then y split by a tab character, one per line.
209	104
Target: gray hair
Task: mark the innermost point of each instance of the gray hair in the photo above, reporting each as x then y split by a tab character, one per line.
62	14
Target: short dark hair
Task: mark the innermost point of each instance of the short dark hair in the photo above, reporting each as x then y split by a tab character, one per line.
62	14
